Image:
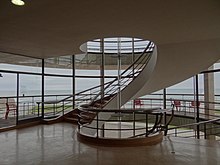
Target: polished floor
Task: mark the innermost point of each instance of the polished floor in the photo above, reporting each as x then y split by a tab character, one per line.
57	144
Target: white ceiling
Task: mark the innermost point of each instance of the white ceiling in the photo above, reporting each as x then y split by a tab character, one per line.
186	32
48	28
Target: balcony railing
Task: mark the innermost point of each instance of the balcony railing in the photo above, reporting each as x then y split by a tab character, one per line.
28	107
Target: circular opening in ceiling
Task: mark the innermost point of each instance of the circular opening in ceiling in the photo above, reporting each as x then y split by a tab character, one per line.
115	45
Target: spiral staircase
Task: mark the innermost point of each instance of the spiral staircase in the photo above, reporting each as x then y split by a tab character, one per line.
122	88
93	102
95	107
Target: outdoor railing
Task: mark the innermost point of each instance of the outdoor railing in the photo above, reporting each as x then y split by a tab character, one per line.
209	123
209	129
29	108
185	111
27	105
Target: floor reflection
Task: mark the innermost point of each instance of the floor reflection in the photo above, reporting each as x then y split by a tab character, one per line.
57	143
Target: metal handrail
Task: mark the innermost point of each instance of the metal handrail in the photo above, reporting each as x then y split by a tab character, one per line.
141	110
83	121
195	124
198	129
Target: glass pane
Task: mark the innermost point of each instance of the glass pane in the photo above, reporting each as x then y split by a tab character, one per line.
8	85
19	68
58	65
8	101
29	95
19	63
86	83
57	88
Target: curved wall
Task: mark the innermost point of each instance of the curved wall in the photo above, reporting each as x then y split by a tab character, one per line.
177	62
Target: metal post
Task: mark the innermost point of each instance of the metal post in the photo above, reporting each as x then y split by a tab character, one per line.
119	85
164	106
28	108
32	106
205	133
63	108
164	98
97	126
38	108
134	123
23	109
197	104
54	108
146	124
165	120
119	73
17	109
78	117
42	91
133	57
103	130
73	80
102	68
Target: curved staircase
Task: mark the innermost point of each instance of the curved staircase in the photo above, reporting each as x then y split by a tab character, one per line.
131	81
92	104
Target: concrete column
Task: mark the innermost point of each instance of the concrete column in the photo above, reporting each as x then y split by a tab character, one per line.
209	96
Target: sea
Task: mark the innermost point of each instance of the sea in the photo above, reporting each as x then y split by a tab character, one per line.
171	93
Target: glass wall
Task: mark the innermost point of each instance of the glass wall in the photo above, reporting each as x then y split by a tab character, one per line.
20	88
22	85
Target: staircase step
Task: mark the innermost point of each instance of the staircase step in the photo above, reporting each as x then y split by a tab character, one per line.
86	121
74	115
71	120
